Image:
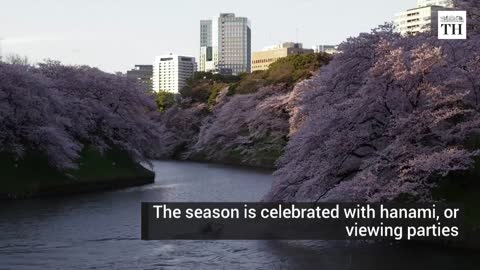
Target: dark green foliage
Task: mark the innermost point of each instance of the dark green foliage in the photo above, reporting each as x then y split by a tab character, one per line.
295	68
289	70
249	83
33	174
219	78
205	86
212	99
268	150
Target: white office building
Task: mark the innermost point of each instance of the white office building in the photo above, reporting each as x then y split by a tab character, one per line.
171	72
331	49
422	18
225	44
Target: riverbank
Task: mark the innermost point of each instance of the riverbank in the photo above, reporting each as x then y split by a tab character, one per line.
78	187
34	177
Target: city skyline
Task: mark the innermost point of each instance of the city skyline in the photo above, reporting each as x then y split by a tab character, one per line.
116	35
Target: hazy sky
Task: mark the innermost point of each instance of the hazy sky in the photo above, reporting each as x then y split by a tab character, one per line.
114	35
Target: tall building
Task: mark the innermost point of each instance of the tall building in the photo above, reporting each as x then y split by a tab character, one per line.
422	18
142	73
207	60
171	72
225	44
263	59
331	49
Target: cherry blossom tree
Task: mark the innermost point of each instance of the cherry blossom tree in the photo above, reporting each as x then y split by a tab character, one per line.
247	129
107	110
179	129
473	14
389	118
57	110
32	117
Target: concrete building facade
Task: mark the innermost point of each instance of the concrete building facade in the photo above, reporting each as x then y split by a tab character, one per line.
417	20
263	59
422	18
171	72
142	73
225	44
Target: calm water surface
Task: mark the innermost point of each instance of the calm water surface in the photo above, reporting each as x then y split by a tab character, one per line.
102	230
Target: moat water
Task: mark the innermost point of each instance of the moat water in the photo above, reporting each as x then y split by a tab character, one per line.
102	231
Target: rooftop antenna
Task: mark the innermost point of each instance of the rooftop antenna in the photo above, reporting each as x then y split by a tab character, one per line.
296	34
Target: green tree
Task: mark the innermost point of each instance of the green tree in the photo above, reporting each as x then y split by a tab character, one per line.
165	100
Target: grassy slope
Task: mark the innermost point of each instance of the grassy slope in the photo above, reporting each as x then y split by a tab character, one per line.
34	176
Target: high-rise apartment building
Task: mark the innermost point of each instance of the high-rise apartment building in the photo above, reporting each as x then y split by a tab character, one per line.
171	72
422	18
263	59
225	44
417	20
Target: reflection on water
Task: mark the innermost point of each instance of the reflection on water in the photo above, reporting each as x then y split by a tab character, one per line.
101	231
